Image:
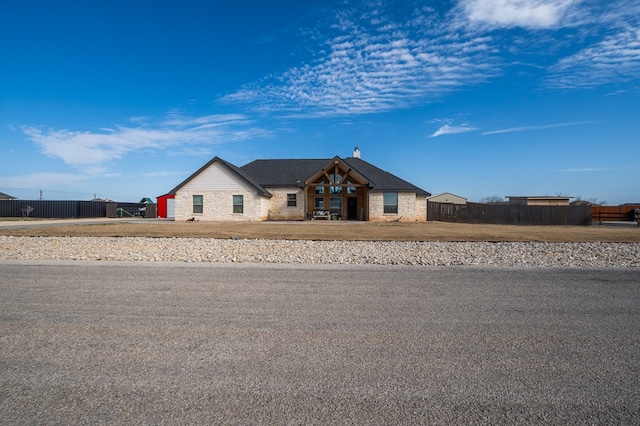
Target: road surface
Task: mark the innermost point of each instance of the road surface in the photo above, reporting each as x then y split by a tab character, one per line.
127	343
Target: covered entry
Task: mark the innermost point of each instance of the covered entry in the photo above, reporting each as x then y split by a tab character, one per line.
338	190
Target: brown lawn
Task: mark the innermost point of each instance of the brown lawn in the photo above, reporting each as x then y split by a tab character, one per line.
316	230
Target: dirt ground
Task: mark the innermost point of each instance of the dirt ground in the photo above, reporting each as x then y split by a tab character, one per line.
361	231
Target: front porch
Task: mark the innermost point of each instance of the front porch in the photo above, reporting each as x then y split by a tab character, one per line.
337	193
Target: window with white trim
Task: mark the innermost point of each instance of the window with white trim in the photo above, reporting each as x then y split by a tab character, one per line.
198	204
238	203
390	200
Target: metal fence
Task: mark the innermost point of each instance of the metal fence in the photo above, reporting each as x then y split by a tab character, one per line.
508	214
73	209
53	209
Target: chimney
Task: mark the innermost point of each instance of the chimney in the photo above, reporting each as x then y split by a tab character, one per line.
356	152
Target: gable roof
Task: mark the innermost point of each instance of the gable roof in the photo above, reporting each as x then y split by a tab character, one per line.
447	194
236	170
381	180
4	196
275	173
294	172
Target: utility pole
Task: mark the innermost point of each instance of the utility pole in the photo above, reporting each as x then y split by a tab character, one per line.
41	195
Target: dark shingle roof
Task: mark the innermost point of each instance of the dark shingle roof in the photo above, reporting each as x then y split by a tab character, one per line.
292	172
382	180
274	173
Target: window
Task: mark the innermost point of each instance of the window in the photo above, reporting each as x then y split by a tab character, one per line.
390	200
335	179
319	204
319	189
238	203
197	204
292	200
351	189
335	205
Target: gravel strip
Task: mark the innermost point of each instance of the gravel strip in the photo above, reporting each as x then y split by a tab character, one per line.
501	254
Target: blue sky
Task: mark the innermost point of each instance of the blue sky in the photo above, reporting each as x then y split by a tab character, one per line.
125	99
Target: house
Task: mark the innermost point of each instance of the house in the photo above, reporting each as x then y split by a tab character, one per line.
448	205
448	198
538	200
297	189
4	196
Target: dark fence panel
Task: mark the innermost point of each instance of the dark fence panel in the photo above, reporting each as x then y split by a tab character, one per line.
507	214
130	210
53	209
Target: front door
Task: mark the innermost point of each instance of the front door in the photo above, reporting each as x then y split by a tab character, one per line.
352	209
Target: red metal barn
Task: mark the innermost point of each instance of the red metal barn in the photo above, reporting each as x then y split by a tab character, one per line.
166	206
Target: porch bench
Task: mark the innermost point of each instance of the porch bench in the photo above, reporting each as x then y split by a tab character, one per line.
321	214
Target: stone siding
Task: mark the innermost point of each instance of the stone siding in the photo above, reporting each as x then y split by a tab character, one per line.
411	207
278	208
218	206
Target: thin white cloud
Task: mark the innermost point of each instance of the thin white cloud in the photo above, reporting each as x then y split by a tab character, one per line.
388	56
52	180
374	64
175	118
583	170
531	128
614	59
531	14
451	130
87	149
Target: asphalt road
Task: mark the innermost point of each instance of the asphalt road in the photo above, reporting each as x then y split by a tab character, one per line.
125	343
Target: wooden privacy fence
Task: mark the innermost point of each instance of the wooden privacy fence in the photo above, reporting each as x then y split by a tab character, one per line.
47	209
622	213
507	214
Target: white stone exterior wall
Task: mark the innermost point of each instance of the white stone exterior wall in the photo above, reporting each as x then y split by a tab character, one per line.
218	206
411	207
218	184
278	208
421	208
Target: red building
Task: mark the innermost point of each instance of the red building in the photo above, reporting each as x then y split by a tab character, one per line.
166	206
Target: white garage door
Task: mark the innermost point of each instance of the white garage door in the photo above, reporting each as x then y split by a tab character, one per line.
171	208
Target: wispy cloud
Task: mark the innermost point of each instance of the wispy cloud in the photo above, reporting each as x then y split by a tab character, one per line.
531	128
373	63
615	59
93	148
532	14
36	180
379	59
583	170
451	130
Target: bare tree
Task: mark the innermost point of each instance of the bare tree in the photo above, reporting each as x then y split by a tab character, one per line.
493	199
593	201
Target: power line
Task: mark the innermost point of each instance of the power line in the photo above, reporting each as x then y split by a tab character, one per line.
52	194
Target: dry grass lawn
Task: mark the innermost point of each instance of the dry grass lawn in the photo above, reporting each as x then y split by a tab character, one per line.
362	231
